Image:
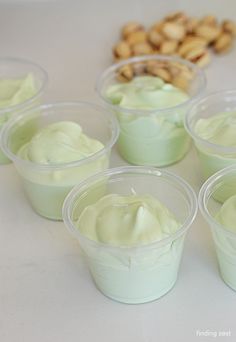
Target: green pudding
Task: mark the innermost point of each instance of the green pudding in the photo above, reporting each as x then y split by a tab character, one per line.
119	223
154	134
12	93
127	221
227	214
220	130
226	244
57	146
60	142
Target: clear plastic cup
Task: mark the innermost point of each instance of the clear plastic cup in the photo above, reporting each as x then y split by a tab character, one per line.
212	157
141	140
142	273
223	185
46	186
16	68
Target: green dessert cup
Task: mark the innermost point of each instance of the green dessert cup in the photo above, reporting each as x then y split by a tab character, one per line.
142	272
22	84
151	124
47	185
213	156
223	185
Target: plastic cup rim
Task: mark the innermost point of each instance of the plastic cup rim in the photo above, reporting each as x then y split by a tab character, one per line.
58	166
27	102
202	199
195	136
112	68
69	202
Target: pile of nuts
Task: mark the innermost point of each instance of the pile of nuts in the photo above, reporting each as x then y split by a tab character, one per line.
177	34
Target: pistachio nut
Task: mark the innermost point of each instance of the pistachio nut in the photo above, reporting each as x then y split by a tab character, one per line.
199	56
191	43
122	50
136	37
229	27
142	49
168	47
223	43
131	27
181	82
208	32
174	31
155	38
125	73
209	19
164	74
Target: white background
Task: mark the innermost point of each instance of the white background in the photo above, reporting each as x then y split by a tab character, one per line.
46	293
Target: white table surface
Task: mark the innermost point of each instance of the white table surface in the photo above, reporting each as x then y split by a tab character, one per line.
46	292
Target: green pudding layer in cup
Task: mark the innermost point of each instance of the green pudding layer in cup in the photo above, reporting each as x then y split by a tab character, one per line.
21	86
221	217
131	223
212	124
54	147
150	110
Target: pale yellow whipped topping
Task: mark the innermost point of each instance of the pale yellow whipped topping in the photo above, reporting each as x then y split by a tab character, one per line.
127	220
60	142
219	129
227	214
